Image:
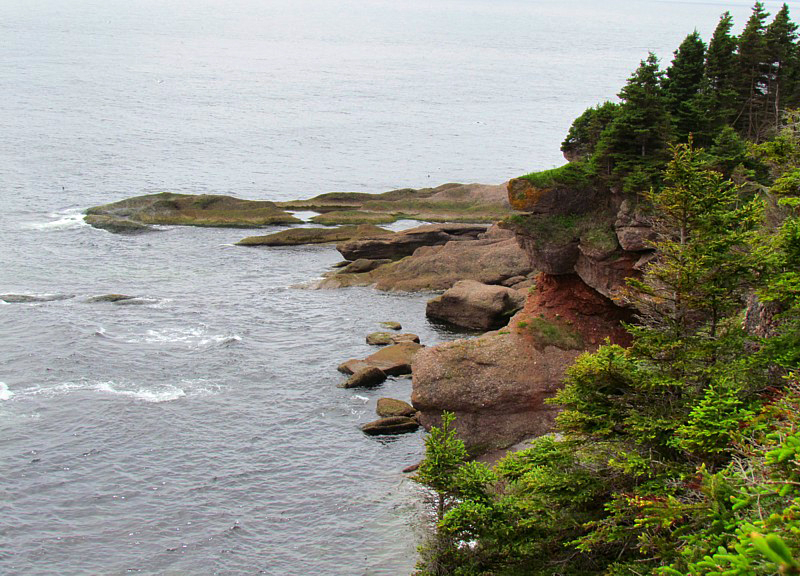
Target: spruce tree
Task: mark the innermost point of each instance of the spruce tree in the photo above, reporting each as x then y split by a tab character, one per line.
781	36
635	143
718	94
753	73
684	79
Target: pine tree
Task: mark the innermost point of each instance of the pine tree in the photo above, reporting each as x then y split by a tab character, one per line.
753	73
683	82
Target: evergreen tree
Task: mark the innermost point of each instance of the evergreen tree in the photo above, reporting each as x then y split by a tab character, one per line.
781	36
753	73
634	144
683	82
585	131
719	95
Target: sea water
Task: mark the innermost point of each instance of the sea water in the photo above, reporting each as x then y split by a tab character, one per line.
198	429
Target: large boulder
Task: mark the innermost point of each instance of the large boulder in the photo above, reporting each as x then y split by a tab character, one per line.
393	360
405	243
497	384
474	305
551	257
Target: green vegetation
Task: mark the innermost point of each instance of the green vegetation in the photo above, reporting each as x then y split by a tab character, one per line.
679	455
552	333
572	175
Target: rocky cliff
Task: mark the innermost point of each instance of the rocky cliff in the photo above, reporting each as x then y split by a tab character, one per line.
585	241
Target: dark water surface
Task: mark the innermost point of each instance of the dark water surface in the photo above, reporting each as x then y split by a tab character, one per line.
200	429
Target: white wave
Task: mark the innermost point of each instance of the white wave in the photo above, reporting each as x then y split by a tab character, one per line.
155	393
165	393
5	393
362	398
194	337
72	218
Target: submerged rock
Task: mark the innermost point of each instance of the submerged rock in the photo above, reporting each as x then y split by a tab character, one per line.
392	325
390	407
110	298
33	298
474	305
391	425
365	378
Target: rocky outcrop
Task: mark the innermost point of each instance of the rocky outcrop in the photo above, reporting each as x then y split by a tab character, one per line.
186	210
553	199
388	407
389	426
445	203
606	271
497	384
405	243
551	257
299	236
393	360
494	257
634	228
470	304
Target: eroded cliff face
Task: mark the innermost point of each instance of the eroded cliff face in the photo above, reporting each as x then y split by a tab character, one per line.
497	384
585	245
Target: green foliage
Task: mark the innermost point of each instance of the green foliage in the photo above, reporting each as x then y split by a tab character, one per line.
571	175
552	333
585	132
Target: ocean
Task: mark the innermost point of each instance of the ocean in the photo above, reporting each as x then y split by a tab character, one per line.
200	429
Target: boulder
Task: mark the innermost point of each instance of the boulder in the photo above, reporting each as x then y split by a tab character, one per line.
390	407
394	360
474	305
392	325
405	243
365	378
391	425
301	236
386	338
